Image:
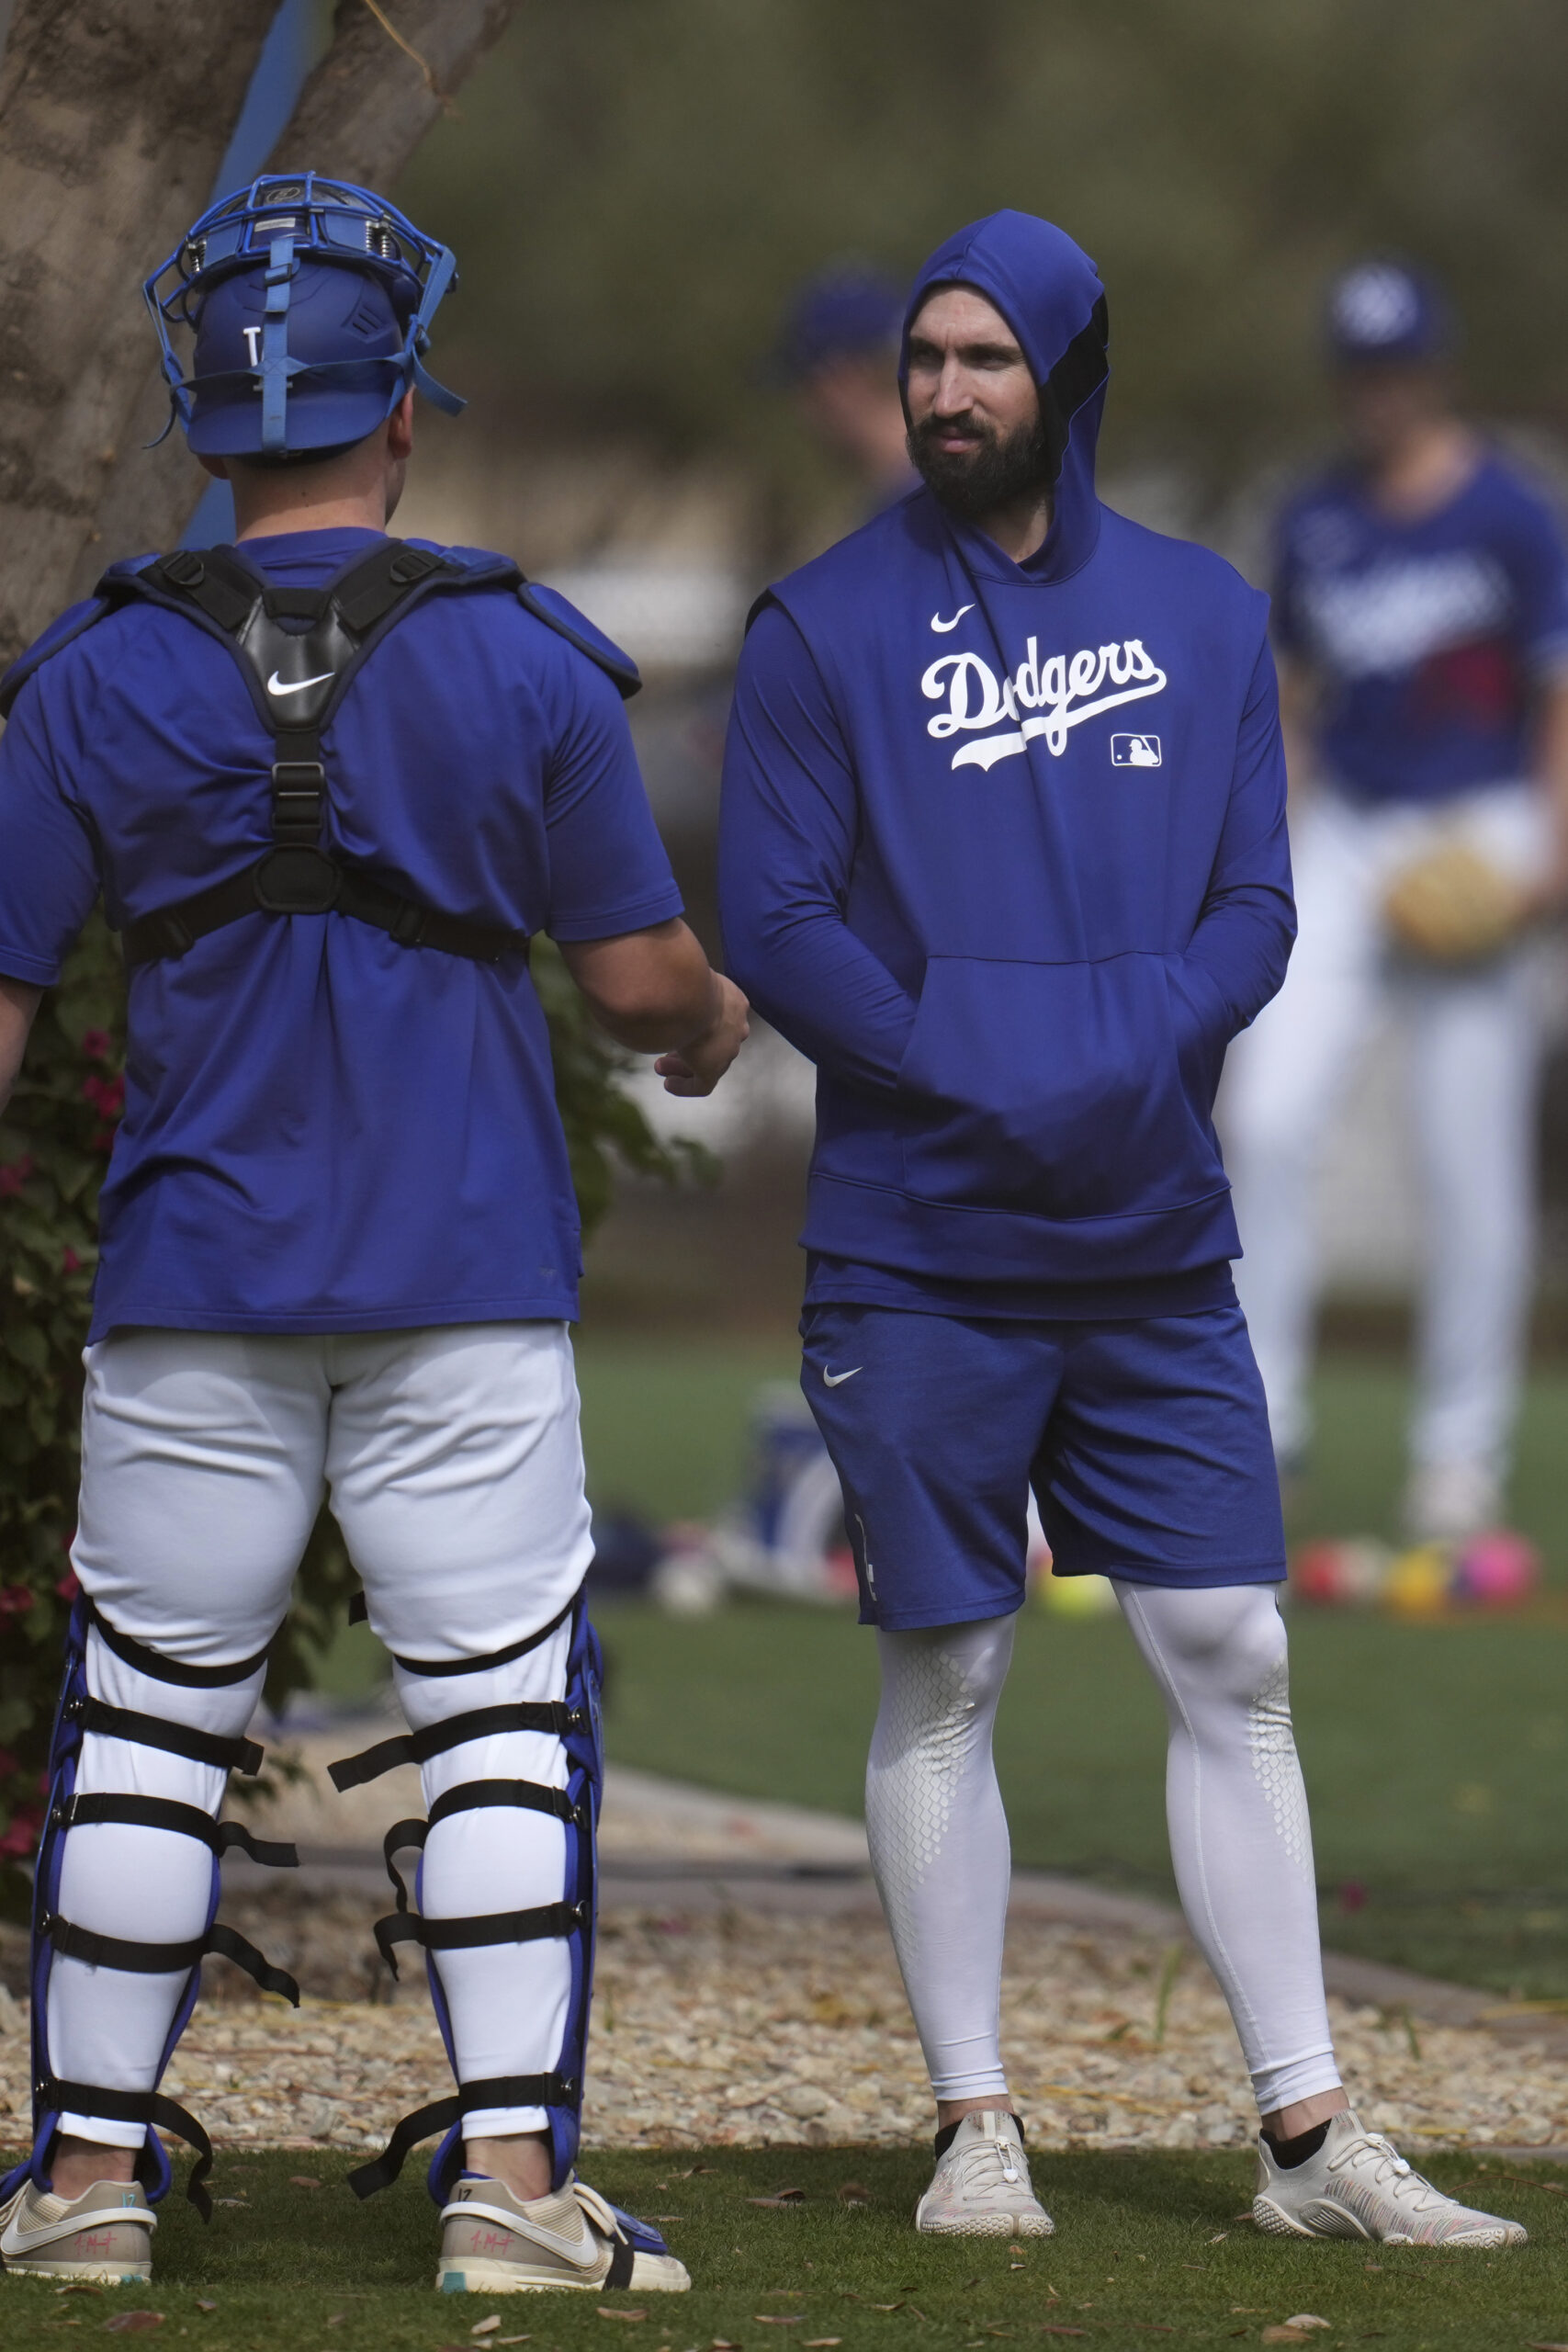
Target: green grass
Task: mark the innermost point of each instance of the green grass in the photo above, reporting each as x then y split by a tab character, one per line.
1144	2242
1434	1754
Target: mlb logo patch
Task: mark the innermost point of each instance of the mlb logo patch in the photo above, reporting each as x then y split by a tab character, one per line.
1134	750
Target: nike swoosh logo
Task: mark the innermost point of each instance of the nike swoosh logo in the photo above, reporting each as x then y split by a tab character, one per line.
837	1379
942	627
274	685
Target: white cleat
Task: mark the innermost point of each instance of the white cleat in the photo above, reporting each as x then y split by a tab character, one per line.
104	2237
1359	2186
981	2188
495	2244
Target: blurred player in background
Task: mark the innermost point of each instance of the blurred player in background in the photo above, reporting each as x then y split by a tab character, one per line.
1421	613
837	352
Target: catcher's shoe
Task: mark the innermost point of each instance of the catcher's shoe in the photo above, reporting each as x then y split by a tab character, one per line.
104	2237
495	2244
981	2187
1359	2186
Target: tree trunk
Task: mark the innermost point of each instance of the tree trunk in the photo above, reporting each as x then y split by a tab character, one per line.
114	117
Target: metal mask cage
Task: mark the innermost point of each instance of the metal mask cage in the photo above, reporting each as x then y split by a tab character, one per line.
278	221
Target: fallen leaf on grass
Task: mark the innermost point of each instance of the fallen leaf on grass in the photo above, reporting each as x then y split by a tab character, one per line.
229	2200
1220	2237
202	2306
851	2192
303	2180
1306	2319
1548	2348
132	2323
724	2344
780	2319
486	2327
780	2197
819	2343
606	2311
850	2296
79	2286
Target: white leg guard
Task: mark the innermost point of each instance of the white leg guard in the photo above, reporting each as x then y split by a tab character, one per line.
938	1842
1240	1838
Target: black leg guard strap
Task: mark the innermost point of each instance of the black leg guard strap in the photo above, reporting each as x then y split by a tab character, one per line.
504	2090
497	1658
166	1813
160	1960
175	1739
533	1796
418	1746
137	2106
168	1669
490	1928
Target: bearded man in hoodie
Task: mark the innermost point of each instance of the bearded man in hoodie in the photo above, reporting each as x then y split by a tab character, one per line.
1003	852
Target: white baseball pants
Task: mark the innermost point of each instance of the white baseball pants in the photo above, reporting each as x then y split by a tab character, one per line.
1473	1042
453	1463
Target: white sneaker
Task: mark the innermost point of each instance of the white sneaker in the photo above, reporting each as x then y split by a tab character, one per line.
104	2235
981	2188
1359	2186
495	2244
1446	1501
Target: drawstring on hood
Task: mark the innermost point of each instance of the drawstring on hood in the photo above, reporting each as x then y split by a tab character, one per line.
1049	293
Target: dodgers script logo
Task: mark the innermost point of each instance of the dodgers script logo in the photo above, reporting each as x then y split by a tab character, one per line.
1062	692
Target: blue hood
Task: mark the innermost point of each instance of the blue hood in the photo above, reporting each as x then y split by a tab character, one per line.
1049	293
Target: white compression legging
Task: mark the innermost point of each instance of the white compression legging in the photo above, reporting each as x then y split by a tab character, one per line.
1239	1836
455	1468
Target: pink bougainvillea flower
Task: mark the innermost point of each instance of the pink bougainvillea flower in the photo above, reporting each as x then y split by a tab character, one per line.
98	1045
106	1096
13	1176
20	1839
69	1260
16	1601
68	1587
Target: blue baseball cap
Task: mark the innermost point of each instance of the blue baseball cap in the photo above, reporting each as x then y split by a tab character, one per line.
845	310
1381	309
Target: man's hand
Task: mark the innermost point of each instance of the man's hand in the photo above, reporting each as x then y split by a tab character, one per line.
654	991
703	1060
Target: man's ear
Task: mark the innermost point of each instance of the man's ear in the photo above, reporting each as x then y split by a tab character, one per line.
400	429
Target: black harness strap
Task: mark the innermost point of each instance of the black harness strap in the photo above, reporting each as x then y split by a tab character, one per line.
531	1795
488	1928
160	1960
297	874
166	1813
418	1746
55	2098
501	2090
175	1739
497	1658
169	1669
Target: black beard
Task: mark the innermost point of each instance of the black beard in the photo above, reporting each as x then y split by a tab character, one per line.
992	472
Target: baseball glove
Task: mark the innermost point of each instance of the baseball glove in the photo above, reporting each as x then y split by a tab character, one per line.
1453	906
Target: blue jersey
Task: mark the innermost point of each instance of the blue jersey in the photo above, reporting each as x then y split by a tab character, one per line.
326	1131
1430	638
1003	852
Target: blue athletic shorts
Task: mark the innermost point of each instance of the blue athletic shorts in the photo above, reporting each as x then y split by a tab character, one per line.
1147	1444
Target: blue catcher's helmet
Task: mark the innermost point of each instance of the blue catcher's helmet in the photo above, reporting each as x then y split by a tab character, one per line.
311	301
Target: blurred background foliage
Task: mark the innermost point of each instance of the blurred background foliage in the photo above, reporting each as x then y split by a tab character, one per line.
634	186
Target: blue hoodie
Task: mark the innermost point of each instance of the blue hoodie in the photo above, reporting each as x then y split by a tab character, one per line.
1003	852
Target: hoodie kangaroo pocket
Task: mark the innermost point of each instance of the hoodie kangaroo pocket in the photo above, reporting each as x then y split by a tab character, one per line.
1053	1089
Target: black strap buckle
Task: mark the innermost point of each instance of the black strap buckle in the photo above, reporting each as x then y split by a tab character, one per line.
297	880
299	791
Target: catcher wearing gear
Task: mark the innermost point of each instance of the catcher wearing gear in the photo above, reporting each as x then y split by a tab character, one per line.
1421	615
